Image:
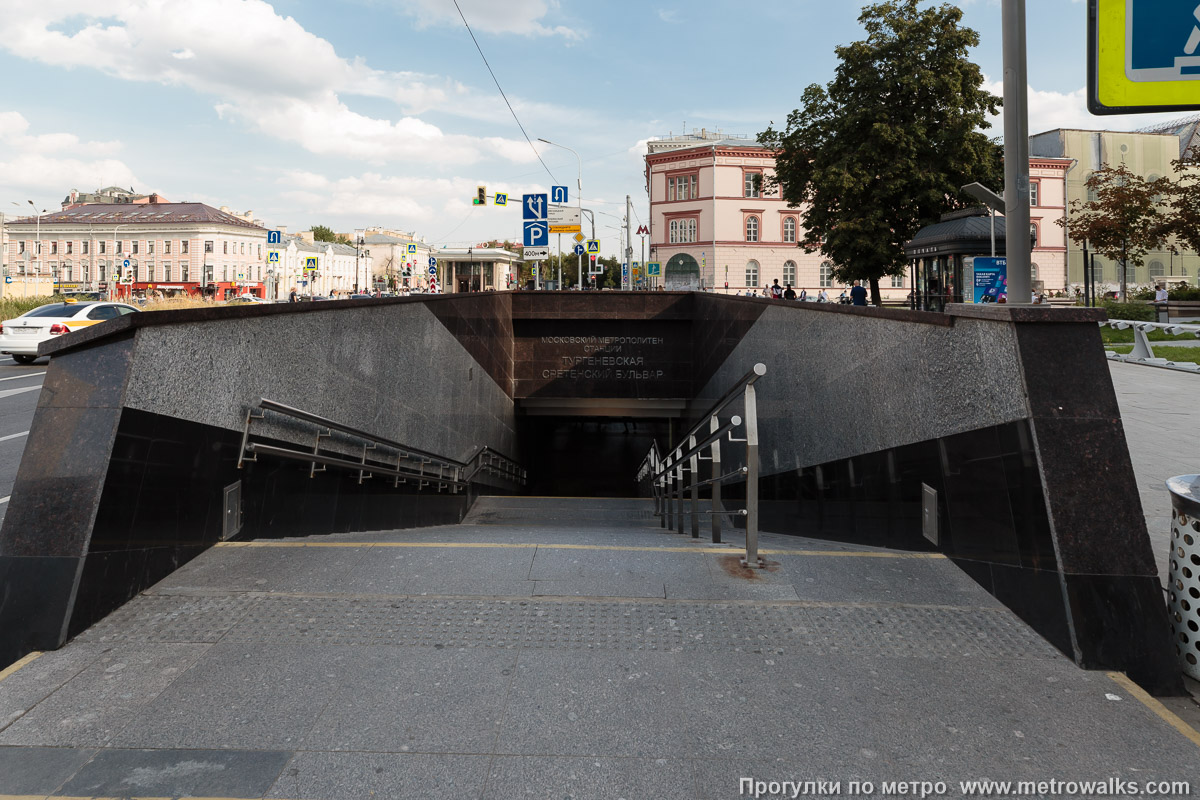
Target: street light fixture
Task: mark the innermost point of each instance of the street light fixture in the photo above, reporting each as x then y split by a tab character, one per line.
578	193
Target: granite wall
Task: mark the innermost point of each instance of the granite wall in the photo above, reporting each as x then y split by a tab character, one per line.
1008	413
139	427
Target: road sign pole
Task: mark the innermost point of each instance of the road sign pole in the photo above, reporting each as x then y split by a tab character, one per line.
560	261
1016	153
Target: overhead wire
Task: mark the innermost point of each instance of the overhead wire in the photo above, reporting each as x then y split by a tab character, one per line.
502	94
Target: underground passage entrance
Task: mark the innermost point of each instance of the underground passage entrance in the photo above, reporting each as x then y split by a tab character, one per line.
584	456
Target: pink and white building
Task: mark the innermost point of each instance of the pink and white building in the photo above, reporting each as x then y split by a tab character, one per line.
715	223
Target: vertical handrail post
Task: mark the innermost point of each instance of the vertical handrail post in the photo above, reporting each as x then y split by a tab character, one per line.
695	480
679	490
668	480
713	425
751	406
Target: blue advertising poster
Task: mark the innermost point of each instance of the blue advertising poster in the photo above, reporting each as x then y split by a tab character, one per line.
991	280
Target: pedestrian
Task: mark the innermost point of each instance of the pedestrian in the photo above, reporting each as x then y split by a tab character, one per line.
789	293
842	298
1160	294
803	295
292	295
823	297
776	290
858	294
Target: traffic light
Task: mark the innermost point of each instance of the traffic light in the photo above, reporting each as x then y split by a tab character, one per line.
593	264
481	196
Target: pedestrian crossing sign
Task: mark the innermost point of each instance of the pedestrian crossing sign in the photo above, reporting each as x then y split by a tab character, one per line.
310	264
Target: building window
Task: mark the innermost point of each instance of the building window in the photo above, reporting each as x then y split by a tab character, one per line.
183	246
1034	186
243	248
751	229
226	245
183	272
682	231
135	248
70	270
103	246
752	274
54	248
826	274
21	247
260	251
150	247
167	246
789	229
673	237
208	247
150	272
1033	270
789	273
682	187
224	272
1033	233
85	247
120	247
897	281
70	248
750	183
1156	269
167	271
87	273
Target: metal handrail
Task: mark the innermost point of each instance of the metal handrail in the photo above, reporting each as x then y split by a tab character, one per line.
411	463
666	474
308	416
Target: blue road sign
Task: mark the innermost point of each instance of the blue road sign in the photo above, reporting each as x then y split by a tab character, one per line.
537	232
432	268
558	194
535	206
501	199
593	246
625	270
273	257
432	261
412	249
580	250
274	237
125	263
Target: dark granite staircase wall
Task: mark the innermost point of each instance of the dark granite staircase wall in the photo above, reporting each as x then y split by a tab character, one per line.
139	427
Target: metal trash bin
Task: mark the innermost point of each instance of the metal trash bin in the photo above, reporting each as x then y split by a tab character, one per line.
1184	592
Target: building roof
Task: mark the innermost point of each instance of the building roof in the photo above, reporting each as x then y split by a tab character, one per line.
965	232
343	249
1186	128
144	214
383	238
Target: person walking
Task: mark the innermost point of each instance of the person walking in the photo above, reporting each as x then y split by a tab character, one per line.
776	290
823	297
858	294
803	295
292	295
789	293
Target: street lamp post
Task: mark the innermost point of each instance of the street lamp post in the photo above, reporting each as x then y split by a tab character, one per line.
578	195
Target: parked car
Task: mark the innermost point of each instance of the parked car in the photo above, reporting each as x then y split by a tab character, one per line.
244	299
20	337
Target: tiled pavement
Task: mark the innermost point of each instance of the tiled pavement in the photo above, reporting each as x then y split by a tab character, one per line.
562	649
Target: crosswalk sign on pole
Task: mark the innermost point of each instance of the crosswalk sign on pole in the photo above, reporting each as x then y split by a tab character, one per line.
593	246
310	264
1143	56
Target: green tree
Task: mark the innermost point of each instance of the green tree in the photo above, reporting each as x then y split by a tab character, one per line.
1126	217
322	233
882	150
1183	201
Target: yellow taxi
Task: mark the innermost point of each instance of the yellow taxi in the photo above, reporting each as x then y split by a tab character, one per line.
21	336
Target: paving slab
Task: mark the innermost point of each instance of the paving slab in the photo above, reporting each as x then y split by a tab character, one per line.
354	776
35	770
177	773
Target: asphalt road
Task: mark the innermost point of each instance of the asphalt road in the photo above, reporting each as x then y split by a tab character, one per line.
20	386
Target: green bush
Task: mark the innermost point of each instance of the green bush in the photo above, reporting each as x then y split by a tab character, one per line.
16	306
1141	294
1186	293
1141	312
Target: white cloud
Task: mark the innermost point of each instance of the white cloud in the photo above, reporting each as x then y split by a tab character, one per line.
35	161
668	15
264	70
1049	110
489	16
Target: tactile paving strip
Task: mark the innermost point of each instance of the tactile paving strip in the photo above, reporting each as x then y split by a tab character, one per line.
896	631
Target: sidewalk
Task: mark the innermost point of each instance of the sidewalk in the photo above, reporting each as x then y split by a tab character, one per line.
564	649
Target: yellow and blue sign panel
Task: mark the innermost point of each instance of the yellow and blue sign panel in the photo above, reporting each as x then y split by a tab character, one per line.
1143	56
310	264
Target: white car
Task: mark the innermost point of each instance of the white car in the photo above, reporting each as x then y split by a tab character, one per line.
20	337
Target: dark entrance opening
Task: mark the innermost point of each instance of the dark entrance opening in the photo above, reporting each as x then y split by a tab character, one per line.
586	456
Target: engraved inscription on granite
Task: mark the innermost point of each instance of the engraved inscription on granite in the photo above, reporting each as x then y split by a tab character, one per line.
607	357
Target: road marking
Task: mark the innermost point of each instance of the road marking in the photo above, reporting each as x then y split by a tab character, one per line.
1158	708
13	436
725	551
4	673
5	499
22	390
19	377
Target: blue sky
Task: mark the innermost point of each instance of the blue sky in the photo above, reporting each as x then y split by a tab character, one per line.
381	112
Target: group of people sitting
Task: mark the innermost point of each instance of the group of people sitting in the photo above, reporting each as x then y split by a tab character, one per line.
857	294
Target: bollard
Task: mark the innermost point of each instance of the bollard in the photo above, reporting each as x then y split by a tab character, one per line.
1184	592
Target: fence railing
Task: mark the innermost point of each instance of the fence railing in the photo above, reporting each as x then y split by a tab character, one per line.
380	456
666	473
1143	350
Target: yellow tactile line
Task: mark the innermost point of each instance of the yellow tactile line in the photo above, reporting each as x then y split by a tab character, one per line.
1158	708
16	665
617	548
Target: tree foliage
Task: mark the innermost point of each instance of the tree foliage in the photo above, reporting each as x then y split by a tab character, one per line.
321	233
1183	201
883	149
1126	217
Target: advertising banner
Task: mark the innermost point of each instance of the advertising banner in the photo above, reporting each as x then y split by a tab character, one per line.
991	280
